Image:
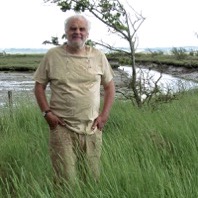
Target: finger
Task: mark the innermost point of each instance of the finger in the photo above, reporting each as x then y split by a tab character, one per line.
94	125
61	122
101	126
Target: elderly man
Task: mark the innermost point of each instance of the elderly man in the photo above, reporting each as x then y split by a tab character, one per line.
75	73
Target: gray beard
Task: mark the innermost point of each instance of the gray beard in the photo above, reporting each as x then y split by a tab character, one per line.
76	45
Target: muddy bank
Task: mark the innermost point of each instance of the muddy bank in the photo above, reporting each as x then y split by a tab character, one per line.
24	80
180	72
22	84
188	74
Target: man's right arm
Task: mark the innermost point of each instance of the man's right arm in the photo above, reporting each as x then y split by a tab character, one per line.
39	91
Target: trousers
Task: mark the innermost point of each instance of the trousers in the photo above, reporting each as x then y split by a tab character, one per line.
75	155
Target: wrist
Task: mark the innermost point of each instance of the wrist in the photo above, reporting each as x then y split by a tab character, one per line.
105	114
44	113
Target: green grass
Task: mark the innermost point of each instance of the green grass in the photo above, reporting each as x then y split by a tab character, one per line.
146	153
187	61
20	62
161	59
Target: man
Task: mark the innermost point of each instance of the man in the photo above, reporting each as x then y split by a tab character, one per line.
75	72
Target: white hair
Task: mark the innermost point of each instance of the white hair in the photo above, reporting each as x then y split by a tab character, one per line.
77	16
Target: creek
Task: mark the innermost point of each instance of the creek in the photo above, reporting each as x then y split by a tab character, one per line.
167	82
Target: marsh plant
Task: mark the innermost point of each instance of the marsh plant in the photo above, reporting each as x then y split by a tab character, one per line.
146	153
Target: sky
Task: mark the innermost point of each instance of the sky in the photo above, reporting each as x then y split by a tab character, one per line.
168	23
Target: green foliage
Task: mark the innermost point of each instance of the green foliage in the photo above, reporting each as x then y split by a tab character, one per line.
78	6
90	43
65	5
112	11
54	41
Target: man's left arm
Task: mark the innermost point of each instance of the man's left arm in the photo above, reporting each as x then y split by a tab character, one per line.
109	94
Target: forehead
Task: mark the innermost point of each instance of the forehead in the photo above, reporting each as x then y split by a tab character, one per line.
77	23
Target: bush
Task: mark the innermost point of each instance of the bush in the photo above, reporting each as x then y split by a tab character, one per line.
179	53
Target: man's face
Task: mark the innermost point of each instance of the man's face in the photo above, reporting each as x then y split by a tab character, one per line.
77	33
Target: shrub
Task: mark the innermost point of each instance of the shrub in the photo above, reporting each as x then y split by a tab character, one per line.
179	53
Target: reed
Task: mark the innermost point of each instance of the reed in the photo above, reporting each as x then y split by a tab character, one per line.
146	153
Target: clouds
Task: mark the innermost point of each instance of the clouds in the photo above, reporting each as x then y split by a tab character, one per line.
27	23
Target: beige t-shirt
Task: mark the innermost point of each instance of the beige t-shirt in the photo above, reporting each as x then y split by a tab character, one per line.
75	85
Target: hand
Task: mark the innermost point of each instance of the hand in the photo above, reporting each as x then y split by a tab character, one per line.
53	120
99	122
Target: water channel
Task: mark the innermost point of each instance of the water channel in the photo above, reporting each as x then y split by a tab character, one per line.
166	82
21	83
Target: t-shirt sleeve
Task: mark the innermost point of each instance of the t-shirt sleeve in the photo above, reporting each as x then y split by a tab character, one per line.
108	73
41	73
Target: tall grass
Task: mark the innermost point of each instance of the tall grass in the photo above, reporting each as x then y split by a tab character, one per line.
146	153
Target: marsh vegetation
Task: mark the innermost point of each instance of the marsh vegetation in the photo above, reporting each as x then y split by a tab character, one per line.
146	153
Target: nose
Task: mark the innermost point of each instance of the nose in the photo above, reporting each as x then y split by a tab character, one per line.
77	30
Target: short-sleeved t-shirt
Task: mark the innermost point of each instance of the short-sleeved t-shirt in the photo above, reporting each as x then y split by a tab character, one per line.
75	85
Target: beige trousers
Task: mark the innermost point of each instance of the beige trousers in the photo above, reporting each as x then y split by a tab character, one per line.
75	155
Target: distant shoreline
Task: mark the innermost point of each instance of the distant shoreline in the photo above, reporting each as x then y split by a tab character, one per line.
44	50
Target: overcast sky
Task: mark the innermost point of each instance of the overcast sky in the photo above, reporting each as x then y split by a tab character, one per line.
169	23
